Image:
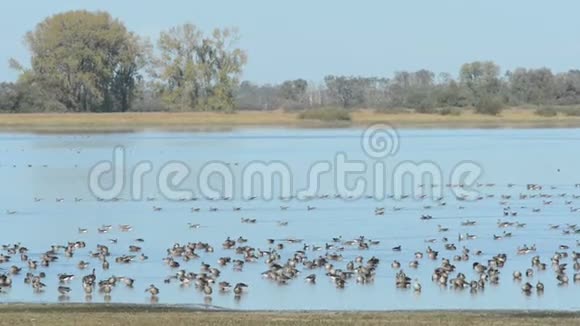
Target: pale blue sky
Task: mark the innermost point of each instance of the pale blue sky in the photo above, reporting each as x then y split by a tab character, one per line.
309	38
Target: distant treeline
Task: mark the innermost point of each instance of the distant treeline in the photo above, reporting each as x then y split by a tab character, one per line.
480	86
89	62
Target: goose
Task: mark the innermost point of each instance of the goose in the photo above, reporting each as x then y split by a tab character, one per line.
152	290
529	272
15	269
562	278
88	288
38	286
127	281
207	290
527	287
5	281
479	267
62	278
450	246
417	286
504	224
125	227
239	288
106	288
64	290
224	286
32	264
90	278
133	248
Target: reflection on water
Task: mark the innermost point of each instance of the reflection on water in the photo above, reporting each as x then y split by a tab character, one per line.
48	167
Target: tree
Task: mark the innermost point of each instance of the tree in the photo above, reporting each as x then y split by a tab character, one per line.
87	59
197	72
347	91
489	104
481	78
27	95
567	88
534	86
413	90
293	90
9	97
451	94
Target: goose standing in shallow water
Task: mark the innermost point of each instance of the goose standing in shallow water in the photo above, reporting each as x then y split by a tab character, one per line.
527	288
417	286
239	288
152	290
64	290
207	290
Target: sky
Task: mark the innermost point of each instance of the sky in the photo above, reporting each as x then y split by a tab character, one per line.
313	38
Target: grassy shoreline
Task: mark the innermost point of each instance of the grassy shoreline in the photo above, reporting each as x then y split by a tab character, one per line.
135	121
105	314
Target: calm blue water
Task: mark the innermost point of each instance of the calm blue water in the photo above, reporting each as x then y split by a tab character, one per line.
57	166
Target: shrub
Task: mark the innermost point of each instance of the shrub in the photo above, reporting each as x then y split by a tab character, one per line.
546	112
572	112
425	109
393	110
423	105
325	114
489	105
449	111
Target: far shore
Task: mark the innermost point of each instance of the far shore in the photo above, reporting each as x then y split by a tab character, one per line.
119	314
186	121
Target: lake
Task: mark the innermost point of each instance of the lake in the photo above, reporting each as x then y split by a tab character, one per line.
47	195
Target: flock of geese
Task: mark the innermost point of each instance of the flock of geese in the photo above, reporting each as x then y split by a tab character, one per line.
286	260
